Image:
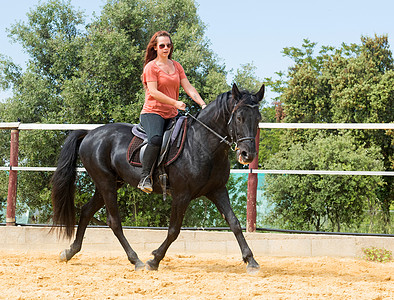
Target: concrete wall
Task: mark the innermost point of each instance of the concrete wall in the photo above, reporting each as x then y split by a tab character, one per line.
192	242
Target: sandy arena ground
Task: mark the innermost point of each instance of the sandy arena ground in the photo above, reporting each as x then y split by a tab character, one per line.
90	276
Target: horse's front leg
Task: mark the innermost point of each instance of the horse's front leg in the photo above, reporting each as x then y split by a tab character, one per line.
178	210
221	199
87	212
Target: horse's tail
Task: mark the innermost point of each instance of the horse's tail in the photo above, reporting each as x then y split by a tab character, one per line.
63	184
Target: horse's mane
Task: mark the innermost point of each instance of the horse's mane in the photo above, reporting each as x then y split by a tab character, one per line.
225	103
222	104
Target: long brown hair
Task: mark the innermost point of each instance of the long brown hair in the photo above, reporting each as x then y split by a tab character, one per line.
150	52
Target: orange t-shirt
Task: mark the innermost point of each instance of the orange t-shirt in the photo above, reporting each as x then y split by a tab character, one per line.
168	84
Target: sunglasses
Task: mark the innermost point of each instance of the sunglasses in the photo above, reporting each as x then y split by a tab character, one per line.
161	46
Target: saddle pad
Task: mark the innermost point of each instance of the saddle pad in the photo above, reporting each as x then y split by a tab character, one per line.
175	148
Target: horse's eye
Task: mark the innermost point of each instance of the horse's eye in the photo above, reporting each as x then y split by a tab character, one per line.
239	119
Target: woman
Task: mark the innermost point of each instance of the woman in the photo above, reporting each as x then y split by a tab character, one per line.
162	78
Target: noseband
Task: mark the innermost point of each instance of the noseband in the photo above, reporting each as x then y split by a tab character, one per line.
229	123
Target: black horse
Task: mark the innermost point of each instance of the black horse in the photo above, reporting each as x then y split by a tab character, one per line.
202	169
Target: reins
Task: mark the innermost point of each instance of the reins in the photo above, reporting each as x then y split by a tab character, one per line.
224	139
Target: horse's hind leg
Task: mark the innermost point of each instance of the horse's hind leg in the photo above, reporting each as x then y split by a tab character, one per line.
221	199
87	212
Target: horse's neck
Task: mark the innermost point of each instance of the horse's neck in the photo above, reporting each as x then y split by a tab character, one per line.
215	116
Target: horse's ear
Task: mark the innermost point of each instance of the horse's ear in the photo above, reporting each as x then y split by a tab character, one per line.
260	94
235	92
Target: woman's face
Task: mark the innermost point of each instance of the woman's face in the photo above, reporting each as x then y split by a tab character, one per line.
163	46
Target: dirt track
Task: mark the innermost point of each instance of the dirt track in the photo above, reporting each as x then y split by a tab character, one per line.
89	276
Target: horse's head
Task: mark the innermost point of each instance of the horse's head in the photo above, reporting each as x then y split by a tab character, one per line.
243	123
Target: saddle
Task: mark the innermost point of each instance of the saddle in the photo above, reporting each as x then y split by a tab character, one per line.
171	148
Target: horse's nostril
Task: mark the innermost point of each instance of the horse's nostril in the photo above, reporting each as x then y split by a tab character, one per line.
244	154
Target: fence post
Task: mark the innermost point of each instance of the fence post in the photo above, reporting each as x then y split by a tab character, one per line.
13	178
252	190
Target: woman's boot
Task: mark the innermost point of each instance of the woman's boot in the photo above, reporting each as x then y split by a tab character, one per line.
148	164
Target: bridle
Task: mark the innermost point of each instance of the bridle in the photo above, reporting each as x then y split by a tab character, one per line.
230	129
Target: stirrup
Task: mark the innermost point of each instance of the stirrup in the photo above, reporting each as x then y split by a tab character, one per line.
145	185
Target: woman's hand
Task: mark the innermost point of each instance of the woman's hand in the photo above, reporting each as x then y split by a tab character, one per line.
180	105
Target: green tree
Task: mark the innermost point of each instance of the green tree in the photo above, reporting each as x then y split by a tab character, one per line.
245	79
52	39
270	139
323	202
352	83
90	73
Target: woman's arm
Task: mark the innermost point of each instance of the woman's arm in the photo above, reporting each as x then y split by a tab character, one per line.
161	97
192	92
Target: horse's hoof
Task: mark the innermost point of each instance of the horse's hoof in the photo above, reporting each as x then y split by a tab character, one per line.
63	256
139	266
253	269
151	265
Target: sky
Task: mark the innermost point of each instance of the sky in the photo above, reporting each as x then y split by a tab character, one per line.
251	31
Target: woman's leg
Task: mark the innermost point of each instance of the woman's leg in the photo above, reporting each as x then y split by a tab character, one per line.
154	127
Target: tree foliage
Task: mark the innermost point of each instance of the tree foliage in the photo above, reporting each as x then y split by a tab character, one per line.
245	79
350	84
82	72
322	202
